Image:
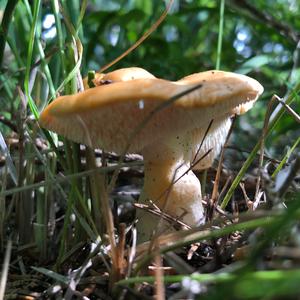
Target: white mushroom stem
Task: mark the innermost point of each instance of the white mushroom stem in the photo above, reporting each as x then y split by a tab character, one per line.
169	182
172	187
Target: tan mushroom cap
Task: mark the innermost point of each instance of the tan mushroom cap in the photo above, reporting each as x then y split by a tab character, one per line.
107	115
127	74
124	74
227	81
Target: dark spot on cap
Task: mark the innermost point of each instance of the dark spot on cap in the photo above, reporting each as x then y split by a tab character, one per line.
106	81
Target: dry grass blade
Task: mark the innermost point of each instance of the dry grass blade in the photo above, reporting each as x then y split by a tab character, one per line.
288	109
292	172
262	144
91	164
145	35
5	268
120	249
194	162
214	196
159	278
158	212
132	252
108	217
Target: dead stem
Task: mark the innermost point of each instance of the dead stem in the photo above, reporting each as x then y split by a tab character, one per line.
214	196
159	277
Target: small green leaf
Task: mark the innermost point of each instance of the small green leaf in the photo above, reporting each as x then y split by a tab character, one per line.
253	63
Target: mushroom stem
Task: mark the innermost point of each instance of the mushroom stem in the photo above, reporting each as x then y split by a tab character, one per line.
173	188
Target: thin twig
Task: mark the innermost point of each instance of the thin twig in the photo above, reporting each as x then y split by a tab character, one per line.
290	111
262	145
214	196
295	167
159	212
202	141
267	19
159	276
137	43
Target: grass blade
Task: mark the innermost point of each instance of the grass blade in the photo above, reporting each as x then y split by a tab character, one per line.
5	268
33	29
220	35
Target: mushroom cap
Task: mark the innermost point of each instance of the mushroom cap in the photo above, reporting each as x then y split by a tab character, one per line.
124	74
219	129
227	79
107	116
127	74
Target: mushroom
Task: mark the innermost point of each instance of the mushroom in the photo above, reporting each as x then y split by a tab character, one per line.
124	74
108	116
